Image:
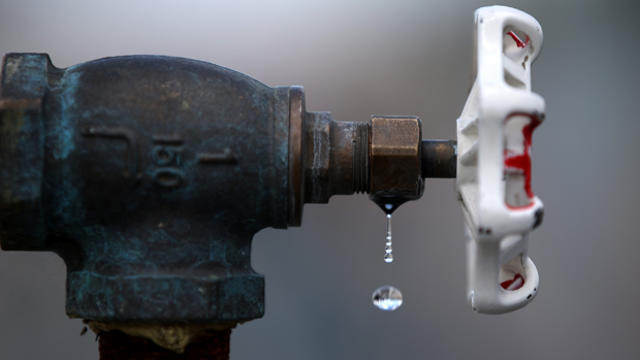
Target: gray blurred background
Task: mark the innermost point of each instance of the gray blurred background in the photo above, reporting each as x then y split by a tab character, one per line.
389	57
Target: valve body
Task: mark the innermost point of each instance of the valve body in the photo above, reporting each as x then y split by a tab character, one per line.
149	176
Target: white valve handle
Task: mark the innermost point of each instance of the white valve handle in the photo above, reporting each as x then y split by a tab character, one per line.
494	161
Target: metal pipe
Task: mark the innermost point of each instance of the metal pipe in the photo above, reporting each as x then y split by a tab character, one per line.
116	345
152	197
439	158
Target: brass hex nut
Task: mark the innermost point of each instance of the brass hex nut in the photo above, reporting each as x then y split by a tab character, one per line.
394	157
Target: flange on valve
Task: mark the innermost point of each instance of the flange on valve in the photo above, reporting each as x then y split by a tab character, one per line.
494	161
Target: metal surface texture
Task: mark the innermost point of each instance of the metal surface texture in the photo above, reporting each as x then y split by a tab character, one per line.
395	158
131	169
149	176
336	157
297	113
439	158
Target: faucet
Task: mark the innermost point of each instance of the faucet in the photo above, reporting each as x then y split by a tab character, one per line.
149	176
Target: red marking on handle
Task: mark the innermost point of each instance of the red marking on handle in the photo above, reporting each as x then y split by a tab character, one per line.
519	42
511	207
505	284
523	161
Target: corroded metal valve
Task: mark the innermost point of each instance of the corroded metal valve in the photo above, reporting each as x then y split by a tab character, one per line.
150	175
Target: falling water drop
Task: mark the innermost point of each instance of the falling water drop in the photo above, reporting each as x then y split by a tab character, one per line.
387	298
388	245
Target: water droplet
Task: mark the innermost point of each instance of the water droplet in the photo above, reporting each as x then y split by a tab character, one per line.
388	245
387	298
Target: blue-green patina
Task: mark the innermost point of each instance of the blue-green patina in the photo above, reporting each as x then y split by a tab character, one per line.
149	176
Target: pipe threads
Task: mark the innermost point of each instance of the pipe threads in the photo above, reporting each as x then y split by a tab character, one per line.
361	158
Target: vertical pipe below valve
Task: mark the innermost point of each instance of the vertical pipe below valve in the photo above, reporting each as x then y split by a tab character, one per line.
116	345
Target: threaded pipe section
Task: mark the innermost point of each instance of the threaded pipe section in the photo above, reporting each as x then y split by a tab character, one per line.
361	158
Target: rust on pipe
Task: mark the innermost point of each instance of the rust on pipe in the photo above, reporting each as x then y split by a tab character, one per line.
116	345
